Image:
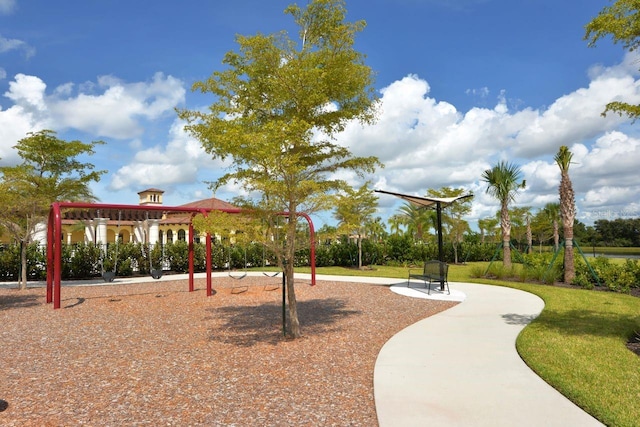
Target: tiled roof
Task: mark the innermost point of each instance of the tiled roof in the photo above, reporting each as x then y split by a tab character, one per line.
151	190
211	203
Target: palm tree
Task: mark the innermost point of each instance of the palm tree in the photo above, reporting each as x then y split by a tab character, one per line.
418	220
552	214
567	210
487	227
503	183
527	216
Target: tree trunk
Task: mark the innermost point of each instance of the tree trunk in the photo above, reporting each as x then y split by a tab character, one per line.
23	263
568	213
529	237
290	251
294	323
506	252
556	236
359	253
569	266
505	223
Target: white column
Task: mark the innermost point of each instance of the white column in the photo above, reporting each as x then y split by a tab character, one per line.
40	233
154	228
138	232
101	228
89	229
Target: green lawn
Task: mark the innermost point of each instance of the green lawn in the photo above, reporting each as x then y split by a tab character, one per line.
577	344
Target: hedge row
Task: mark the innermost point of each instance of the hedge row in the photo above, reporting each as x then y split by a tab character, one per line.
88	260
81	261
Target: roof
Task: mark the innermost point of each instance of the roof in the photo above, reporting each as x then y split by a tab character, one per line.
211	203
151	190
427	202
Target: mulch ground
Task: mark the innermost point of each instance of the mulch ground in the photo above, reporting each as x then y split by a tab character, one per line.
156	354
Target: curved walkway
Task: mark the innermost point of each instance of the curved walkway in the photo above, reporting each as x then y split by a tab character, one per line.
461	368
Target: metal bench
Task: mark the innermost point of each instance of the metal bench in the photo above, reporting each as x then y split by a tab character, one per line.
433	271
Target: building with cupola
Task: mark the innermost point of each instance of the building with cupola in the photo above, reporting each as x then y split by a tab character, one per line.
135	226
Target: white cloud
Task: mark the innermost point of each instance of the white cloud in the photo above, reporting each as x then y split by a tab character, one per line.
576	116
426	143
7	45
612	161
26	115
28	93
116	112
15	123
179	162
7	6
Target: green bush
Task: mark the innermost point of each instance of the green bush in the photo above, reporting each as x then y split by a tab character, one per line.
80	261
9	262
177	254
399	249
324	256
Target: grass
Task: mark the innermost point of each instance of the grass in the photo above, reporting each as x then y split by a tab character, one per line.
577	344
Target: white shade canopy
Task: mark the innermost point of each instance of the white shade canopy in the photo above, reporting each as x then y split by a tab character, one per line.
427	202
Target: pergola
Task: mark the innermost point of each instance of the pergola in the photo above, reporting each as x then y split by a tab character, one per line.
54	237
431	203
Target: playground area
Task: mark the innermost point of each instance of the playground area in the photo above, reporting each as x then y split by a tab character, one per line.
153	353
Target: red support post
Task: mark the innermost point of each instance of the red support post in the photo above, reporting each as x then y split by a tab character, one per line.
50	262
191	280
57	261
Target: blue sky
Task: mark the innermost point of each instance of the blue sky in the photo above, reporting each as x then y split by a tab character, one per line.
463	84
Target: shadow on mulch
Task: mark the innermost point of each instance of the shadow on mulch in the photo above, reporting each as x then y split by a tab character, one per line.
246	326
8	302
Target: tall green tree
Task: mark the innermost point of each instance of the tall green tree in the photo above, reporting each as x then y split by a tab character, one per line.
487	228
417	220
354	211
521	221
50	171
503	182
376	229
396	221
621	21
567	210
278	104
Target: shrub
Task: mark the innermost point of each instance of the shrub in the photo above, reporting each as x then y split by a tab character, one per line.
177	254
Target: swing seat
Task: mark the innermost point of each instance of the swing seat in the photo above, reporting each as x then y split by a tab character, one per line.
270	274
156	273
238	276
108	276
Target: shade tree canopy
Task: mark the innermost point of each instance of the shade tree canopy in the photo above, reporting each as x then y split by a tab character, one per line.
51	170
277	105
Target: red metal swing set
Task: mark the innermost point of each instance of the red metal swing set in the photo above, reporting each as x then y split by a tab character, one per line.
54	241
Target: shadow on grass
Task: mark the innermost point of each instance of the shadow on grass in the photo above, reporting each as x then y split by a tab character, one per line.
518	319
246	326
588	322
8	302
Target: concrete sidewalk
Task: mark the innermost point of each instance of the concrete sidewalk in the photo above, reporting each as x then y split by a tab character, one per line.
461	368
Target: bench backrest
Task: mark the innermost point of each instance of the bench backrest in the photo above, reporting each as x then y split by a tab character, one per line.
436	268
